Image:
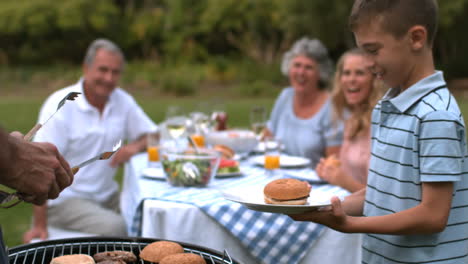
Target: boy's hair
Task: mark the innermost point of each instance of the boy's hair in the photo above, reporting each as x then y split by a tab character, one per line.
396	16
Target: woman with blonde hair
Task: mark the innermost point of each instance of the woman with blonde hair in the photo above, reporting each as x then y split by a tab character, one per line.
355	93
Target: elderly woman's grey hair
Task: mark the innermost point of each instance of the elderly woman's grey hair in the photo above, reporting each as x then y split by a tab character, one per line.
102	44
315	50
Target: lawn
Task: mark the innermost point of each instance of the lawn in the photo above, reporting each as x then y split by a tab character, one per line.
20	113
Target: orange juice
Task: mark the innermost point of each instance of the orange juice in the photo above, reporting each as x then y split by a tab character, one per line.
153	153
199	140
272	162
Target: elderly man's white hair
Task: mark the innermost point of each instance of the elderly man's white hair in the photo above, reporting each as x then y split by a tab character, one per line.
313	49
102	44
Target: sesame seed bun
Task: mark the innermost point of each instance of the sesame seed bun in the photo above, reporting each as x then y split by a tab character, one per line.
286	192
183	258
156	251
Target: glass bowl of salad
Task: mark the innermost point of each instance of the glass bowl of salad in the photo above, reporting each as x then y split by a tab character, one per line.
190	167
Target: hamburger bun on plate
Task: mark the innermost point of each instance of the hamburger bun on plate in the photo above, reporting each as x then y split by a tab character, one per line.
286	192
225	151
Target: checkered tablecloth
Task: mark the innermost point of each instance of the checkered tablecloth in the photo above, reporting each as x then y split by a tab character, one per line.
271	238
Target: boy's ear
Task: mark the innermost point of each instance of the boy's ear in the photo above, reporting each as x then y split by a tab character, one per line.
417	37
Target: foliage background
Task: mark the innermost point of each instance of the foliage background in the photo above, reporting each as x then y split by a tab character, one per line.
196	31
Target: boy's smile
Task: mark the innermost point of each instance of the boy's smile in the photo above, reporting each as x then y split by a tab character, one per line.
392	58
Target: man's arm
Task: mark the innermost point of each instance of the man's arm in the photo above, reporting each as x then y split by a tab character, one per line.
127	151
430	216
34	169
39	228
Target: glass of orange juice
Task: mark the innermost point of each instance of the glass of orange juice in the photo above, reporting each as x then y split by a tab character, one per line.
152	149
272	155
199	139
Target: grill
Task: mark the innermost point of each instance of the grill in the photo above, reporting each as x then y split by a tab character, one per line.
43	252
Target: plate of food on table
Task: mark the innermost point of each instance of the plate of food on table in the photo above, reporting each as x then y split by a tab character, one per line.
284	196
228	165
285	161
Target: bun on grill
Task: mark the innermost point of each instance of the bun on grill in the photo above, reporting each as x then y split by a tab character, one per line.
73	259
286	192
183	258
156	251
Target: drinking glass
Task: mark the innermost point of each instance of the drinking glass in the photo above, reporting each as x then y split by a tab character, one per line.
219	116
176	127
272	156
152	148
201	122
176	122
258	119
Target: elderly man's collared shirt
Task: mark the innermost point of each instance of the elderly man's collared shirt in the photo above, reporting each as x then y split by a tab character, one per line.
80	132
418	136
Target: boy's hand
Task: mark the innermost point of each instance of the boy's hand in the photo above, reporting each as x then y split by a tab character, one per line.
332	216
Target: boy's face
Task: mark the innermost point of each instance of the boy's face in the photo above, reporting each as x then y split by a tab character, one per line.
391	57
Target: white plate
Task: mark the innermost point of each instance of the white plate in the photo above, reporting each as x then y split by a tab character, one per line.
253	199
261	146
305	174
154	173
228	175
285	161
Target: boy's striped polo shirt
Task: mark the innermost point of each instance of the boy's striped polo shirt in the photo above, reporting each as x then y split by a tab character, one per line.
418	136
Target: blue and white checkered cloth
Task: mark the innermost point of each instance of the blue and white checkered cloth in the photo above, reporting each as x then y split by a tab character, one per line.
271	238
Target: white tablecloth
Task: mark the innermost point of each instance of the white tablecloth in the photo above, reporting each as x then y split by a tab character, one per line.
149	216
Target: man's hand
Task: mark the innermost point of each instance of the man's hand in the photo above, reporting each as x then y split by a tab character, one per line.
40	233
36	170
124	154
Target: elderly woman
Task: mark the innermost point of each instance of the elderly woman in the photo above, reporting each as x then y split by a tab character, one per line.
302	115
355	92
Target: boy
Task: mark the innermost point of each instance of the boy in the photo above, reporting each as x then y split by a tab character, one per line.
416	201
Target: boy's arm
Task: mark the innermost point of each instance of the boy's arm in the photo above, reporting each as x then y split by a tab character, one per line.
430	216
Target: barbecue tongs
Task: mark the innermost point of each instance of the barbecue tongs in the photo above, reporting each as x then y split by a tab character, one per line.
6	198
70	96
102	156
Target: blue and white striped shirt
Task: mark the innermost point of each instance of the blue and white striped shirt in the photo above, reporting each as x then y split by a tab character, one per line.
417	136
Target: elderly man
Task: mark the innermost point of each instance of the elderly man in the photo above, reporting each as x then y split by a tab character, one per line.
102	116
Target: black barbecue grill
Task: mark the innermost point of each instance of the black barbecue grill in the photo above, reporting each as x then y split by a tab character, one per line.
43	252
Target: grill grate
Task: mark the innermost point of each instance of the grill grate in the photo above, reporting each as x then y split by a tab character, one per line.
44	252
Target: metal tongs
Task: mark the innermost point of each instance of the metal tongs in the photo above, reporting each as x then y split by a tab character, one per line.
70	96
102	156
6	198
